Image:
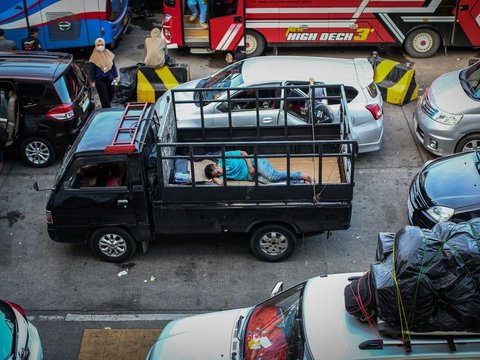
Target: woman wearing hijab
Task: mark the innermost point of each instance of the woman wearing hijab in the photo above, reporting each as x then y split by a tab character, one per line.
103	72
156	49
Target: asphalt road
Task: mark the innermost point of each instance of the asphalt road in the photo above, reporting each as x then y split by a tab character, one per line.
57	283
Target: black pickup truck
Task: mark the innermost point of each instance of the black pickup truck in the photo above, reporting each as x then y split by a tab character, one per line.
133	175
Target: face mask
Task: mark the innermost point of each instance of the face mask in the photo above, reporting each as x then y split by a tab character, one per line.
101	48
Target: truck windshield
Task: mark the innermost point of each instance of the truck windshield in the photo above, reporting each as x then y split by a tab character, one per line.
275	328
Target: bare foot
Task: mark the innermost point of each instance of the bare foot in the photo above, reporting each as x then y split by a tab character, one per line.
192	17
307	179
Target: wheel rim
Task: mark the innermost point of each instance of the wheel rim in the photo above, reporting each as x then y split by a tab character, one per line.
471	145
37	152
273	243
112	245
422	42
251	44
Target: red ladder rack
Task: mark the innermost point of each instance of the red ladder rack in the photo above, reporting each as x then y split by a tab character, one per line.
131	115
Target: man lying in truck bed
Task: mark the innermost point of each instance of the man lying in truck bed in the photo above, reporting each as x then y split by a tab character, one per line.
240	167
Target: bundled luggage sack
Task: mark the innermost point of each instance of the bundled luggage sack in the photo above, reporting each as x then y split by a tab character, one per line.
429	280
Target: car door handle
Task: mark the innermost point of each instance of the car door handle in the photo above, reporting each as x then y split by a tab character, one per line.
267	120
464	7
237	19
123	203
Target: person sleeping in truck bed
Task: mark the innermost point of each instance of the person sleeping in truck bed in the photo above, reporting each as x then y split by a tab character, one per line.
241	167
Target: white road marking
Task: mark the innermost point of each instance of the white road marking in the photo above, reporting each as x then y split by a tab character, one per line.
109	318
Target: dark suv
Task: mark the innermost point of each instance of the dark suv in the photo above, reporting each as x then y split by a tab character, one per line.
44	101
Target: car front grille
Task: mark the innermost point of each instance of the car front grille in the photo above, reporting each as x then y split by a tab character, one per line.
427	107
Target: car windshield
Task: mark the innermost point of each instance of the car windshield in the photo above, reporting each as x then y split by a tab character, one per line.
470	80
275	328
7	329
229	77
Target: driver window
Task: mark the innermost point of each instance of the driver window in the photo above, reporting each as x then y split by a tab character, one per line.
223	8
105	174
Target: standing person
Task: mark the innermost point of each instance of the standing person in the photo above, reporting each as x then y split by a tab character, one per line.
155	49
103	72
31	42
202	4
6	44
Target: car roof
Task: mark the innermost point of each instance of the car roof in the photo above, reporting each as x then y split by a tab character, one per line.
33	65
332	333
301	68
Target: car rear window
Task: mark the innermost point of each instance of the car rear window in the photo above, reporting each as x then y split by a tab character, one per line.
350	93
70	84
7	329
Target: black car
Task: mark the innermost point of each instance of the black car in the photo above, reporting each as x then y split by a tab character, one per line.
447	188
44	102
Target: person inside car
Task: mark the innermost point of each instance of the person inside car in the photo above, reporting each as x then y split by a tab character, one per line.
241	167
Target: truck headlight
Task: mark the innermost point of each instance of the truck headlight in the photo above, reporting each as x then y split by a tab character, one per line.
440	213
446	118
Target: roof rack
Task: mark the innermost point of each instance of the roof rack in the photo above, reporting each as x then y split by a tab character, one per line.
124	137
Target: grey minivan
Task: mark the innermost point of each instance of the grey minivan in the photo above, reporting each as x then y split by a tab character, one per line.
447	116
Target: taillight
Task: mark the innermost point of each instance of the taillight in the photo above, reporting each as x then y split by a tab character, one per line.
17	307
108	10
49	217
61	112
376	110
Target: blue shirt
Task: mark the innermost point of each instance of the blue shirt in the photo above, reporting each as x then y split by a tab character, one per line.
235	169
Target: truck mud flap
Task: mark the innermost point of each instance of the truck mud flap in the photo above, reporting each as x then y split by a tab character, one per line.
152	83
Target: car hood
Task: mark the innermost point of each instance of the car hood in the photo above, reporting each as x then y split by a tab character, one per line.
448	87
453	181
199	337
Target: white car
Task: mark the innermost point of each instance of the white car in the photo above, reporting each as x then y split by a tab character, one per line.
18	337
307	322
286	77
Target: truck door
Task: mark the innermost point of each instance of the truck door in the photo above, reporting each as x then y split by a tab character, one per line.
227	24
95	192
468	16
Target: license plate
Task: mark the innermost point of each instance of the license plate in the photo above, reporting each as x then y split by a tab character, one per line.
85	104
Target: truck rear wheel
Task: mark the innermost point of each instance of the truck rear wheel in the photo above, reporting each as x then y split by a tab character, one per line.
112	244
272	242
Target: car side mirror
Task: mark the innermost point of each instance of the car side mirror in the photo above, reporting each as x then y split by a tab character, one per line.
223	107
278	288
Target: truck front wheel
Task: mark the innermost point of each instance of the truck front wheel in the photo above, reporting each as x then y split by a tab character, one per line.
255	43
272	242
112	244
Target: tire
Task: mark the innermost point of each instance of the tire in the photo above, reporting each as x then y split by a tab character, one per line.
272	242
422	43
254	43
113	244
468	143
37	152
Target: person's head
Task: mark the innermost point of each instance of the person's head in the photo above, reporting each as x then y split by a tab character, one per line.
2	33
155	33
213	170
100	44
229	58
33	31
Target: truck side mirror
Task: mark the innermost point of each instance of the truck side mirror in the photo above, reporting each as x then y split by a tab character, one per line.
278	288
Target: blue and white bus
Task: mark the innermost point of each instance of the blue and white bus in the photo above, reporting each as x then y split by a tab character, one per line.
65	23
